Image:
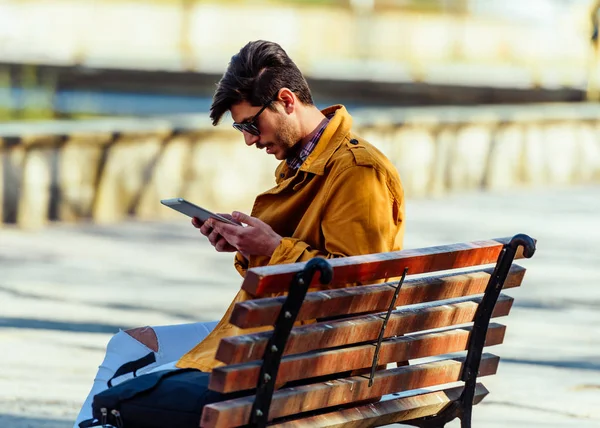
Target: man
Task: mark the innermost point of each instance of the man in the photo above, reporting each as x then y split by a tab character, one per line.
335	196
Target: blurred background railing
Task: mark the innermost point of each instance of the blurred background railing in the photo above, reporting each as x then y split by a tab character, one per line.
106	170
461	94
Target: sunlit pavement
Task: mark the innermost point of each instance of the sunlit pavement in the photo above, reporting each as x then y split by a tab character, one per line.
64	291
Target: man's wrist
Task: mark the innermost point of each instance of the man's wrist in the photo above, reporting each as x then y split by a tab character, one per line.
276	244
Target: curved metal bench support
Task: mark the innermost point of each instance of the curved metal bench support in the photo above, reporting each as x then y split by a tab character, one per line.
281	332
463	407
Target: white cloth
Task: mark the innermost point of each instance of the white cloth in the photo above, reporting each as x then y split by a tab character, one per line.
173	342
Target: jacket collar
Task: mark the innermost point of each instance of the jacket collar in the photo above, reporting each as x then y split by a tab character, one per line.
333	136
337	129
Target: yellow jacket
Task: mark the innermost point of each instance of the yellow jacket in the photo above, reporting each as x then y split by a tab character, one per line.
346	199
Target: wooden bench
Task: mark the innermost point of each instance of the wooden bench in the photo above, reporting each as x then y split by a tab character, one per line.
439	302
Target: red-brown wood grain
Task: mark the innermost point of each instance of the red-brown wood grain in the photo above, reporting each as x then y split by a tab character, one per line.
241	377
290	401
385	412
364	269
365	328
372	298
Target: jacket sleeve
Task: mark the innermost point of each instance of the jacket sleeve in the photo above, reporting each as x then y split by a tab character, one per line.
241	264
360	216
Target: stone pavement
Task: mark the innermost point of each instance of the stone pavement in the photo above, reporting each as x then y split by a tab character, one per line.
64	291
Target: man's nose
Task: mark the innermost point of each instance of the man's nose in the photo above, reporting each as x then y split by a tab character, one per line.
250	139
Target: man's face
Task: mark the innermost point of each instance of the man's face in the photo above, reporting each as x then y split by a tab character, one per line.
279	132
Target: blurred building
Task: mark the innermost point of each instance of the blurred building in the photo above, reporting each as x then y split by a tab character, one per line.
164	56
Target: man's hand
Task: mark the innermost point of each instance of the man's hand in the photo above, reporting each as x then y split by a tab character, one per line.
256	239
216	240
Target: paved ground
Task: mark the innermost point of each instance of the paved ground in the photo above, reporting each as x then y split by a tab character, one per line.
66	289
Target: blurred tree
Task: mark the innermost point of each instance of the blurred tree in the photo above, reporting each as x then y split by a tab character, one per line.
593	89
37	94
187	51
6	98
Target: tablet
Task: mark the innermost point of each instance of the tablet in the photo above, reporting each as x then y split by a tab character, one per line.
192	210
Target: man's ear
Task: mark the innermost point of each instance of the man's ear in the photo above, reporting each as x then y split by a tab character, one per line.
288	98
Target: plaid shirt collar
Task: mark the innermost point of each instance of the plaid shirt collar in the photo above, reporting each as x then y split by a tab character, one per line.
296	162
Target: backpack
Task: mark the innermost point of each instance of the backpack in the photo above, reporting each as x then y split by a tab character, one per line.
166	398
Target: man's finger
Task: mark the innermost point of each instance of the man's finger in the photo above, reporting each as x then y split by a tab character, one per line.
205	229
214	237
197	223
227	229
220	244
245	218
223	246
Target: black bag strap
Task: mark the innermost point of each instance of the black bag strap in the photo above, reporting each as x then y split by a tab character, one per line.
133	366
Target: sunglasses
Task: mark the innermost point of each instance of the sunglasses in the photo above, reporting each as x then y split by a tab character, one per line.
250	126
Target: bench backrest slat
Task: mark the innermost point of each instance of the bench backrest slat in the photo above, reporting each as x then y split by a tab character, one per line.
241	377
364	269
291	401
374	298
238	349
386	412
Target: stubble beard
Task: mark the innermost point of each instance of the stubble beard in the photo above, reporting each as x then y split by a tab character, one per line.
287	139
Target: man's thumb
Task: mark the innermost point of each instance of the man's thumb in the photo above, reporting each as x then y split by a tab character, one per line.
244	218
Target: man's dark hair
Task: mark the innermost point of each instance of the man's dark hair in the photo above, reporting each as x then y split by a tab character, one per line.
255	75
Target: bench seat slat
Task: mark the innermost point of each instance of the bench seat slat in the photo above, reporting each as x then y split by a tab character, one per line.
385	412
241	377
364	269
290	401
372	298
239	349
